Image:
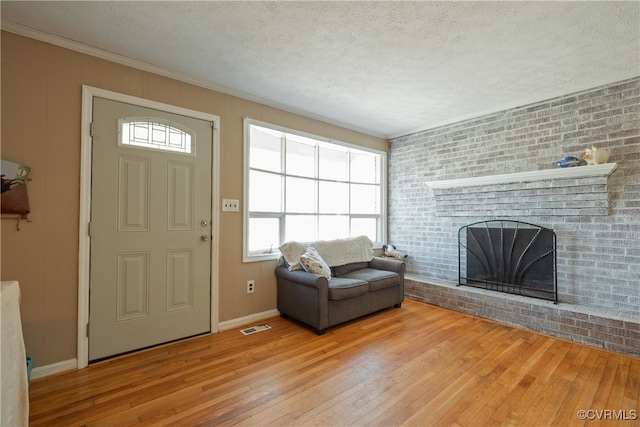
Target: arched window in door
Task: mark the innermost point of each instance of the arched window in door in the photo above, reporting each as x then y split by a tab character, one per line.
155	134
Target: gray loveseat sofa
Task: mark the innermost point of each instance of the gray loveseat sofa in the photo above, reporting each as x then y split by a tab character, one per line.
359	283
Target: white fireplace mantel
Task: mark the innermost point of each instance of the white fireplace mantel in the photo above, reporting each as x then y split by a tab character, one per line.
605	169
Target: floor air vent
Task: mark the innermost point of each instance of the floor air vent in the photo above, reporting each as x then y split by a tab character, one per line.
255	329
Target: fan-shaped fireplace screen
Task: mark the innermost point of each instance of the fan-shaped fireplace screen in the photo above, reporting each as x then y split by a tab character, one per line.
508	256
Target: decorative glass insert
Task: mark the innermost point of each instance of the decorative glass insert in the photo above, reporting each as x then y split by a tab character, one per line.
156	134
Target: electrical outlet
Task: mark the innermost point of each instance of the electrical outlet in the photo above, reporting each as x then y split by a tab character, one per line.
230	205
251	285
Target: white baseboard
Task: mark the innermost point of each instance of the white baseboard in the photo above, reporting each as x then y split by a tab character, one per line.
68	365
54	368
242	321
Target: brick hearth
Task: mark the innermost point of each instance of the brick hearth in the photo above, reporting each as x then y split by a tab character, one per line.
604	328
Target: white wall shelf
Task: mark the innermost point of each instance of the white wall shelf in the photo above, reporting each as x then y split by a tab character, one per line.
605	169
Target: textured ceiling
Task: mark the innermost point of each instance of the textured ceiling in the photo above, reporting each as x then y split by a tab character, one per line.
388	68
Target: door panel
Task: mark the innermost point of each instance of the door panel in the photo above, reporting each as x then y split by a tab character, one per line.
150	268
133	193
179	279
181	194
132	277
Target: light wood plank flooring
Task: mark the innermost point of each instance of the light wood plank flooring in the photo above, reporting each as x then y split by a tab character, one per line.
418	365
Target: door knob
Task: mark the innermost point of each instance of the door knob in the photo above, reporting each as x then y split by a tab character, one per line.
205	237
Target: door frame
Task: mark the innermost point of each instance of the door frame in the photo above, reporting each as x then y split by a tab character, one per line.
88	93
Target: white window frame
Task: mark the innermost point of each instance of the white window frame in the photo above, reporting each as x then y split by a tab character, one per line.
253	257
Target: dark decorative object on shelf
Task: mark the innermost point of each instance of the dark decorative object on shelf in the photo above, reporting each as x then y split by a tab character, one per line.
569	161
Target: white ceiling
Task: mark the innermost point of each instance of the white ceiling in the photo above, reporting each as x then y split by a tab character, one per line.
387	68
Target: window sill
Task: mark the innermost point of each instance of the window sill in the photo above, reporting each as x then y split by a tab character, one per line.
261	257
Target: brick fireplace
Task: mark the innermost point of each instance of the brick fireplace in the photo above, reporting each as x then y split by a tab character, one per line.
596	218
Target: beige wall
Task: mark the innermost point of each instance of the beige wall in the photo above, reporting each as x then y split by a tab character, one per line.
41	115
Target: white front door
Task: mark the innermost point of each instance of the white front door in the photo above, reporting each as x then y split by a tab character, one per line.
150	250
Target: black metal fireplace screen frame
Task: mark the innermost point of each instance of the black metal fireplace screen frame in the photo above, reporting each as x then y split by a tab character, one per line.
509	256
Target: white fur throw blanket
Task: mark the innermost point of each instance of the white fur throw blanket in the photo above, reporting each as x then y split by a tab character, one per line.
334	252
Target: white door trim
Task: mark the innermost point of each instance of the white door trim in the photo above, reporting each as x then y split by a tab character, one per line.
88	93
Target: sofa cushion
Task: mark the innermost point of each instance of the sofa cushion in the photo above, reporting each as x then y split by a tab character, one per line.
312	262
341	288
377	279
348	268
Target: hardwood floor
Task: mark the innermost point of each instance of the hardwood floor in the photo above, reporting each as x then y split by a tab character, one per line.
418	366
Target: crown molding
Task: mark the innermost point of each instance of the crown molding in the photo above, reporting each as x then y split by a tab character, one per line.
144	66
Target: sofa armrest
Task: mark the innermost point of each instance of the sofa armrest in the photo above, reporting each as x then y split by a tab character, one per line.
303	296
394	265
302	277
388	264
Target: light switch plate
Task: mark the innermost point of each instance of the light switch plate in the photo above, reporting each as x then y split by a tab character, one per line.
230	205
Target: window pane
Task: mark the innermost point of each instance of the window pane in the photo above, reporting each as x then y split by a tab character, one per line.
365	199
159	134
176	138
137	132
265	234
365	168
333	227
265	192
301	158
301	195
365	226
302	228
334	164
265	150
334	197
